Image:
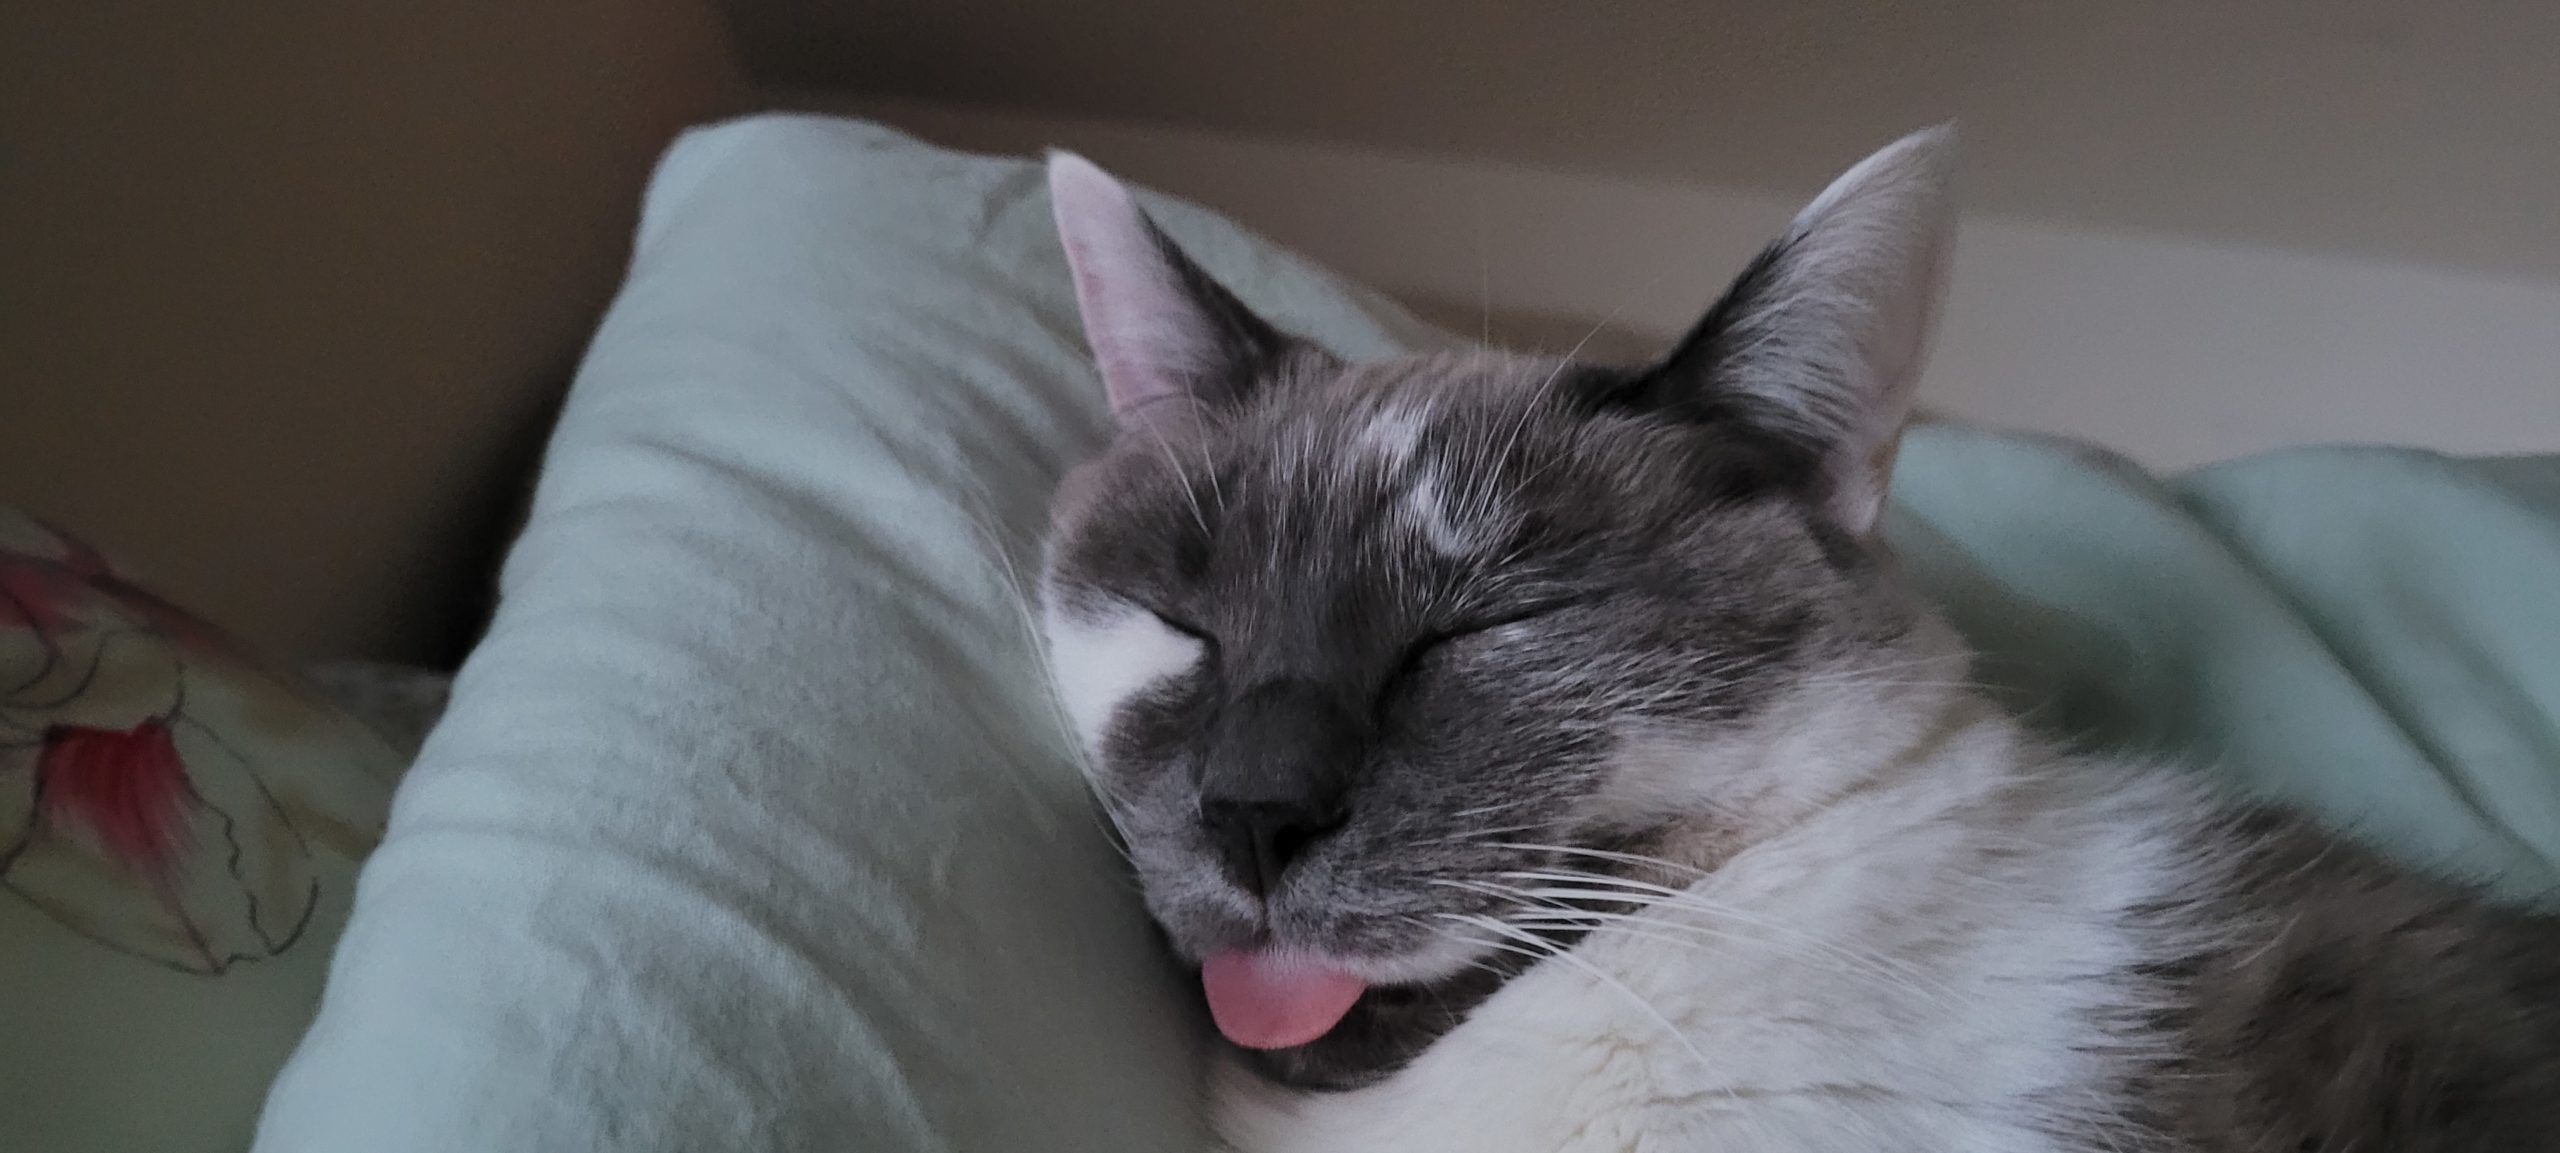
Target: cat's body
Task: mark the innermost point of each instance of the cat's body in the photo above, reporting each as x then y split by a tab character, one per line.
2128	963
1539	756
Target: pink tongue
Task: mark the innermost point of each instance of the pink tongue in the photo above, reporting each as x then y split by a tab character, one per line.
1261	1003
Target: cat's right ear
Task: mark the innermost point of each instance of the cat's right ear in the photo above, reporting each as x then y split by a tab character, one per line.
1167	337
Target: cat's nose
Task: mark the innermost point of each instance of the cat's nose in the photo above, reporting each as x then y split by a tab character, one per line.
1258	839
1276	779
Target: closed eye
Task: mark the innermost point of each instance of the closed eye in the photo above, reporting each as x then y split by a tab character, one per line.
1182	626
1411	660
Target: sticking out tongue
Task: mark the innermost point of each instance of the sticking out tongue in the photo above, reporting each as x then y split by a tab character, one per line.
1262	1003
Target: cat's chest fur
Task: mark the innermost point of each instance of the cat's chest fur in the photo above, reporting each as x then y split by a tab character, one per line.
1947	960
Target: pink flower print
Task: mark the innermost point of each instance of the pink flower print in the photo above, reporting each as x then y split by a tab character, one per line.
126	789
121	816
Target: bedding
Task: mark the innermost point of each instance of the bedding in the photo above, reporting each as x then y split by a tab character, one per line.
752	825
2368	633
180	822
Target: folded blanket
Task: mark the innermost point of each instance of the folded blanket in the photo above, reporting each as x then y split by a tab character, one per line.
2369	633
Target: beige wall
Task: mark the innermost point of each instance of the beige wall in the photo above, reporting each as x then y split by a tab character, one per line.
289	283
2195	227
2176	349
2401	131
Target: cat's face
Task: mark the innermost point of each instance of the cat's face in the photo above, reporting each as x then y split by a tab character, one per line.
1362	655
1459	613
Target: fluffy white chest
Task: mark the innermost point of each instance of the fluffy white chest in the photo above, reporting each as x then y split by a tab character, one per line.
1894	976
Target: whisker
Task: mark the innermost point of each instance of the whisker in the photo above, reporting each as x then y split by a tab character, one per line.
1605	855
1592	886
1108	806
1496	807
1477	836
1566	956
1173	464
1484	271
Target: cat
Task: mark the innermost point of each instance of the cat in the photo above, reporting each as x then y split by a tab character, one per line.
1539	755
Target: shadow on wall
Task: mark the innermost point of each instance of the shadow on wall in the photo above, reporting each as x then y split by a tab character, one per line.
295	279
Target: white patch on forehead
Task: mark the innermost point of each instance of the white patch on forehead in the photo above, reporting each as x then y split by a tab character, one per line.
1391	435
1100	661
1426	507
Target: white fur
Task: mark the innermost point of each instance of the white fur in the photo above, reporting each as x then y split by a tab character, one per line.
1391	436
1932	952
1803	749
1426	509
1105	657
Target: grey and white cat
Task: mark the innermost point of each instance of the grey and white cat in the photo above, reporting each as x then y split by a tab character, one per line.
1538	755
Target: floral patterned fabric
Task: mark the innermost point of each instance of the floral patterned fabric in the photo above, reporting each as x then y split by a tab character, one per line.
175	816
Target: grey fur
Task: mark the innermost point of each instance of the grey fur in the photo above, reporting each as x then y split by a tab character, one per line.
1624	549
2351	1005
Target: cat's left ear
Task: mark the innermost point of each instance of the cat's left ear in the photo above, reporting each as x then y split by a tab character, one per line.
1169	339
1818	347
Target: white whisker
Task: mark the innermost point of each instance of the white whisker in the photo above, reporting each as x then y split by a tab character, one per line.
1108	806
1650	897
1566	956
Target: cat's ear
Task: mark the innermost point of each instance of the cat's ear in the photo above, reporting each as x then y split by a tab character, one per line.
1818	346
1167	337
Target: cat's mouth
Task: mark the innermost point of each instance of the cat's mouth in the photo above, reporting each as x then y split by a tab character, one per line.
1267	999
1264	995
1320	1022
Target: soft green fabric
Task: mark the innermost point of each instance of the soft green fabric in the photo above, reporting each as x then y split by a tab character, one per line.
751	825
2372	634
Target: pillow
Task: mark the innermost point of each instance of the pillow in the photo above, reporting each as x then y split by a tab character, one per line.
179	828
753	825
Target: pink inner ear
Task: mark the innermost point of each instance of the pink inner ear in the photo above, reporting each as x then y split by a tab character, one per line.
1148	336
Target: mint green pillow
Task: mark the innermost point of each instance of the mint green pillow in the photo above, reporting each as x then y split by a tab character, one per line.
751	824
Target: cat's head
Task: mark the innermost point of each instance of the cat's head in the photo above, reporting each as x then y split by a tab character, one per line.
1360	653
